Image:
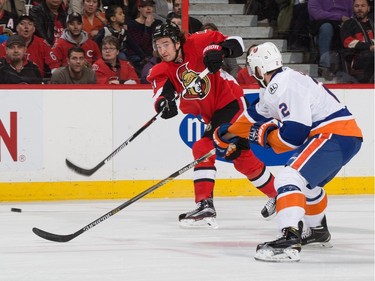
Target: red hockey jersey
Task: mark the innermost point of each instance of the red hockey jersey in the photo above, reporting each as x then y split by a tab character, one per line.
214	91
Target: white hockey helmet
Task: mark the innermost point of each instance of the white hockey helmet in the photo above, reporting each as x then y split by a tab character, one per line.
266	57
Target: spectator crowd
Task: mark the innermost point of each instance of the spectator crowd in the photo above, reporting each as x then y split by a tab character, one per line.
110	41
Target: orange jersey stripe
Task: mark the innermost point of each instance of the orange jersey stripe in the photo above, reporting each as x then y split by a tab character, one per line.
241	127
341	127
318	208
290	200
313	146
276	142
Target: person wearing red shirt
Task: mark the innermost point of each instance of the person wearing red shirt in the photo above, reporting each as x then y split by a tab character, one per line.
37	49
217	99
74	36
109	69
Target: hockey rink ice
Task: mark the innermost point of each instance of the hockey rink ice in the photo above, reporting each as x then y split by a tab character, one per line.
143	242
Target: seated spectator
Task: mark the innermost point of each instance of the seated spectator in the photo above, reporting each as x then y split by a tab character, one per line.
72	36
116	27
194	24
243	75
327	16
50	19
76	71
176	19
230	64
8	22
14	67
37	49
109	69
357	34
140	31
93	18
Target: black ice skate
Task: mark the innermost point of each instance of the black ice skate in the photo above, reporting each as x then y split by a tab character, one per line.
317	236
284	249
269	210
203	215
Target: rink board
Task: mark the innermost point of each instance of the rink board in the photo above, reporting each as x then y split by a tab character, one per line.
41	126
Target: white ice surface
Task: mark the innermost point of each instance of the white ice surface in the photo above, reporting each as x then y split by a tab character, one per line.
143	242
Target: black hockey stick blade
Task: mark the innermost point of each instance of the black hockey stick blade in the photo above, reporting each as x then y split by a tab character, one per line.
89	172
65	238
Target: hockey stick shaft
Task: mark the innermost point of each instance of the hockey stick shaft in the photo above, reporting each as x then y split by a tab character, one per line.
89	172
65	238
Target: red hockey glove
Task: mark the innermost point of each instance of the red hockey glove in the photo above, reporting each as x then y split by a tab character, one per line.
213	56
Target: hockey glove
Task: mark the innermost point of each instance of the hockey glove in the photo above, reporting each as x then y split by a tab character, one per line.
213	56
259	132
166	101
225	148
169	107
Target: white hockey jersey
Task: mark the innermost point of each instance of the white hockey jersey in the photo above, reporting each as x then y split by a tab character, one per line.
304	106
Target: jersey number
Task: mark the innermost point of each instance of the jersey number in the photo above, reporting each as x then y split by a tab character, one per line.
284	109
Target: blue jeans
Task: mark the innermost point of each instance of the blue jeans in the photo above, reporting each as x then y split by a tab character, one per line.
326	32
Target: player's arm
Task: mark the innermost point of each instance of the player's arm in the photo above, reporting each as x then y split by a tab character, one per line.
214	53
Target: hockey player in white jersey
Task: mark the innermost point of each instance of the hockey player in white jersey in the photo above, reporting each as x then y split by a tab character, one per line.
295	112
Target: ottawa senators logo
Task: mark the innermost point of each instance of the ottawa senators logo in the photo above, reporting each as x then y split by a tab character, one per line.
199	90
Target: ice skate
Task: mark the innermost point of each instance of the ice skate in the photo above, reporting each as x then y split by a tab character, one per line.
317	236
203	216
285	249
269	210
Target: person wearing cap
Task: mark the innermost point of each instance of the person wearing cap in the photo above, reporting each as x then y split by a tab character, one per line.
76	71
50	19
14	67
37	49
140	30
74	36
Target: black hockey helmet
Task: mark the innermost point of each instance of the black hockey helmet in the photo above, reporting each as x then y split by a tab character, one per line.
170	30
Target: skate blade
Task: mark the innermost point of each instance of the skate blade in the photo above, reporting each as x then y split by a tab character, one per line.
288	255
270	217
318	245
204	223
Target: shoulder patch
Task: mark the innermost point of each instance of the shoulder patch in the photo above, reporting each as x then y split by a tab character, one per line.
273	88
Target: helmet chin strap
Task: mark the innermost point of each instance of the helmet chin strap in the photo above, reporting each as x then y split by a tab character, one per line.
261	81
176	56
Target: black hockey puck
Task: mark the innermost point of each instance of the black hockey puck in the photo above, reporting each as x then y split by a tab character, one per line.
16	210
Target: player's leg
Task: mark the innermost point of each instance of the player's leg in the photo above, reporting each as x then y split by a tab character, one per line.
204	181
258	174
317	161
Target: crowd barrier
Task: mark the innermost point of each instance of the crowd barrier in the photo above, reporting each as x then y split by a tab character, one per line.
41	126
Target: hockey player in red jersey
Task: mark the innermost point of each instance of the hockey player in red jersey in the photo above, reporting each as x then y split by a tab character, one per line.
217	98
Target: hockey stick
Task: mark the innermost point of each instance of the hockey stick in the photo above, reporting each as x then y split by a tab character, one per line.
89	172
65	238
